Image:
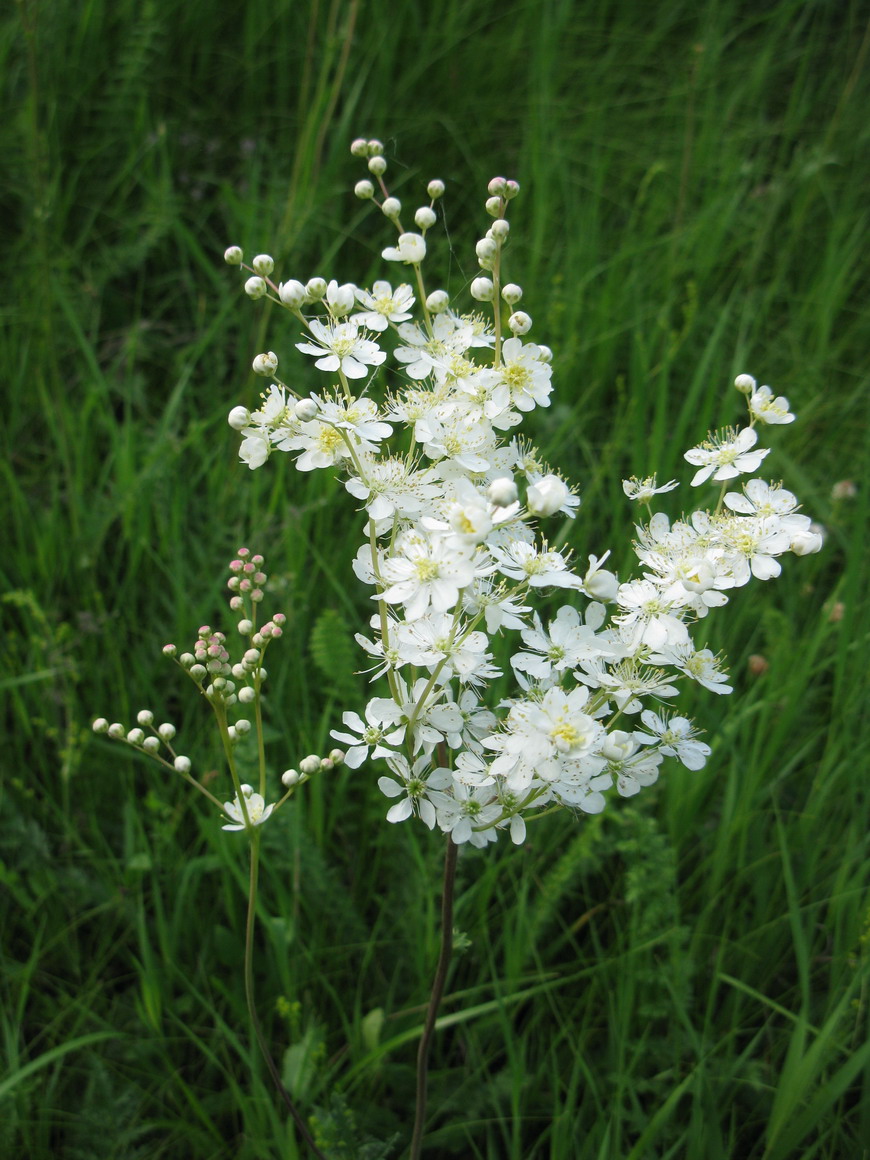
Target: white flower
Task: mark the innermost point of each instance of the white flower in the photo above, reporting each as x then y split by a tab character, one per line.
415	786
375	731
338	346
526	374
644	489
384	305
426	570
411	248
675	737
547	496
764	408
726	456
257	809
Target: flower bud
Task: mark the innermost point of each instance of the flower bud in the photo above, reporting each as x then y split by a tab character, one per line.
482	290
242	727
151	744
263	264
246	789
806	543
377	166
438	301
425	218
435	188
116	730
315	288
497	187
359	147
306	410
745	384
500	229
245	627
486	251
340	299
374	147
247	695
233	256
391	207
512	188
336	756
135	736
101	725
545	354
493	206
310	765
255	288
265	364
520	323
364	190
289	778
512	293
600	584
545	497
844	489
292	293
239	418
619	745
145	717
169	650
502	492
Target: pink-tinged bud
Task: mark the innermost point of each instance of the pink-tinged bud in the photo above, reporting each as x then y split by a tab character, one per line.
844	489
169	650
497	187
511	189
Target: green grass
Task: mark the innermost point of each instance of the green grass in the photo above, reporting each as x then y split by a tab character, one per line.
685	976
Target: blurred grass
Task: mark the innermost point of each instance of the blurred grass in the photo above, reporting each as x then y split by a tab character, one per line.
686	975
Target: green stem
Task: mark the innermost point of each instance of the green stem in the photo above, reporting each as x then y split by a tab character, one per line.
435	998
252	1010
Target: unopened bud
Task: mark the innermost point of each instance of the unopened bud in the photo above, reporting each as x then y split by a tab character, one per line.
315	288
435	188
233	255
292	293
502	492
425	218
377	166
265	364
497	187
391	207
745	384
101	725
520	323
482	289
493	206
255	288
289	778
239	418
263	264
145	717
306	410
364	190
309	765
512	293
547	496
359	147
486	251
500	229
438	301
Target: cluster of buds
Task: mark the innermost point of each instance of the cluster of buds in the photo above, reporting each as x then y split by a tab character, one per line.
225	684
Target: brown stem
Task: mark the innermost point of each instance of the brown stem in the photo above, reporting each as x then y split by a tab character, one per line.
435	998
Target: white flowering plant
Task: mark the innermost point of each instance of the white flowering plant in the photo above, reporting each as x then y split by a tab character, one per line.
456	508
417	412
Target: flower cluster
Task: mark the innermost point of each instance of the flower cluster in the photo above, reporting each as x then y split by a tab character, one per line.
455	552
228	687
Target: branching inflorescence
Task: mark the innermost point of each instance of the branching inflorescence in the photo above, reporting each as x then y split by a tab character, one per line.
455	505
